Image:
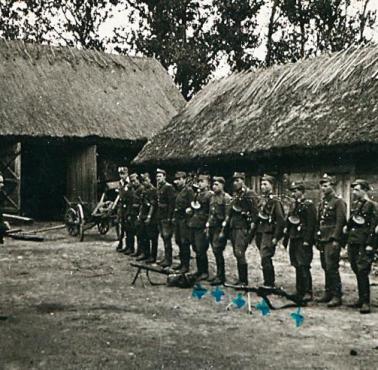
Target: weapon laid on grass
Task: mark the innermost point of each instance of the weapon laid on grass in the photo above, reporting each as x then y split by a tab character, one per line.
148	268
180	280
264	293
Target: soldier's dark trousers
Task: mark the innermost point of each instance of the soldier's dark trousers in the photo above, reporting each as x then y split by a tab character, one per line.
301	258
149	235
361	263
267	251
182	238
330	259
166	232
201	245
218	247
239	241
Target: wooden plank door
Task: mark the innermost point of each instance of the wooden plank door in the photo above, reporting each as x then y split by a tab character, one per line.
10	166
82	174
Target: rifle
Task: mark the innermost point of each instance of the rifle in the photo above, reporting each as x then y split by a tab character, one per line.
264	293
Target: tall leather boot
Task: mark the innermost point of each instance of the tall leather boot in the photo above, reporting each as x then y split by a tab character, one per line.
243	273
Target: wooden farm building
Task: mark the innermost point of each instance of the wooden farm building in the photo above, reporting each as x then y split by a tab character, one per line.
68	117
296	121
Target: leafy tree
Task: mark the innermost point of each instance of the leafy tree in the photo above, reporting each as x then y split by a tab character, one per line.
236	31
177	34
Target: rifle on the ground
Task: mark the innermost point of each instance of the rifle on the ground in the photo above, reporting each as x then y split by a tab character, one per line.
264	293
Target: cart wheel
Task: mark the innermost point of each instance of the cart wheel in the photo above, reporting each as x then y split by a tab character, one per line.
103	226
82	222
72	221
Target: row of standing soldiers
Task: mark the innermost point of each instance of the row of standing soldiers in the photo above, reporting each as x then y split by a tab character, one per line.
199	217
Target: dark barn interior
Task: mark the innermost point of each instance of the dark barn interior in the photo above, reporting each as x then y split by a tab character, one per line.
43	181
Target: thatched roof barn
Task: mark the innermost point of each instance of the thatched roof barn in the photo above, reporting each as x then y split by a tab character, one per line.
315	114
66	92
76	110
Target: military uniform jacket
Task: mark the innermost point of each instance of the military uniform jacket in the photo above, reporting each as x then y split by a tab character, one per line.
183	199
199	216
130	200
362	222
166	201
148	203
304	213
271	218
243	209
2	201
331	218
219	208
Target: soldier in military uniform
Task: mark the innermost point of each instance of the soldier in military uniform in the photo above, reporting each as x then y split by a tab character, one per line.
3	225
130	199
166	206
220	203
199	212
300	233
270	225
184	197
241	217
360	238
332	219
149	232
121	210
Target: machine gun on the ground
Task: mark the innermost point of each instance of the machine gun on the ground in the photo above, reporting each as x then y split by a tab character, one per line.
180	280
265	292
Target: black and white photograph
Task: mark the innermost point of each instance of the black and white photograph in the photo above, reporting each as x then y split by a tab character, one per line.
188	184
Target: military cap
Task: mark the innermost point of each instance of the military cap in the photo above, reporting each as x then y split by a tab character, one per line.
134	176
238	175
363	184
123	169
297	185
159	170
180	175
203	176
268	178
327	178
144	176
219	179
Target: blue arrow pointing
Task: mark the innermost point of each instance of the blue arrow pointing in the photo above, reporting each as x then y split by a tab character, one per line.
297	317
217	294
199	291
263	307
239	301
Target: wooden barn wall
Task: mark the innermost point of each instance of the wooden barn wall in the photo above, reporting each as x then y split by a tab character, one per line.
10	166
82	174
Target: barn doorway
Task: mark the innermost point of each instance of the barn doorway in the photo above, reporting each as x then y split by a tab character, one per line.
43	184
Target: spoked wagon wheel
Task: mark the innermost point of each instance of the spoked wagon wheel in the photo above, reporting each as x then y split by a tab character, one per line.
72	221
103	226
82	221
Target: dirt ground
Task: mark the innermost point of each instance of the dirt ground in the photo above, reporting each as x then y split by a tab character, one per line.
70	305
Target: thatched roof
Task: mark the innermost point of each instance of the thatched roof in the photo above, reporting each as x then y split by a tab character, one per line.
66	92
323	102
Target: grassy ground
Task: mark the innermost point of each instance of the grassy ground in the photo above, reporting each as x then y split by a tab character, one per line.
70	305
